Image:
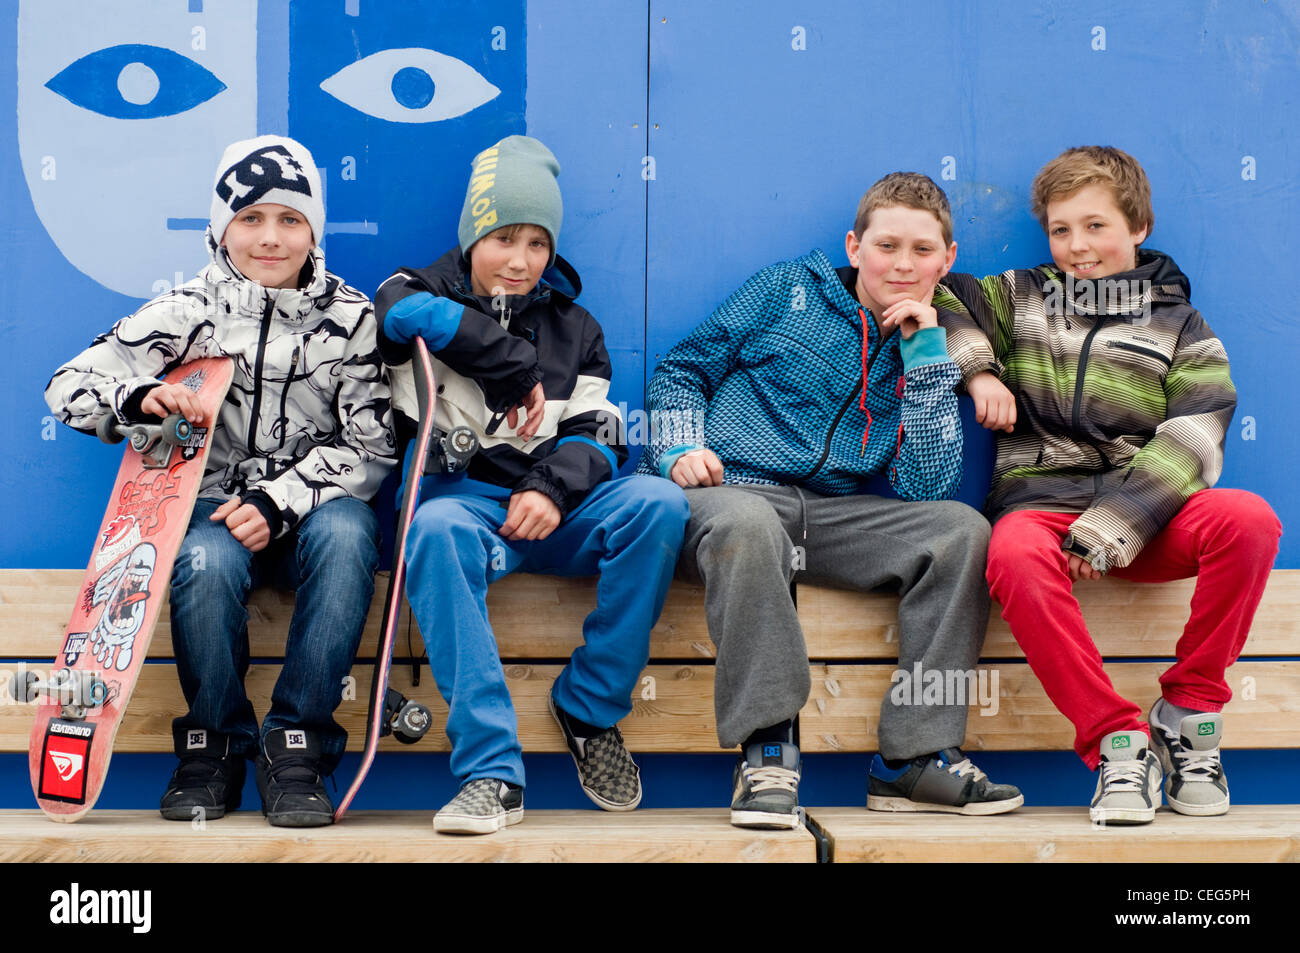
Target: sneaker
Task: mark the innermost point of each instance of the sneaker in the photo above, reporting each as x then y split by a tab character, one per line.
606	771
482	806
289	779
765	786
1194	779
209	778
945	781
1128	781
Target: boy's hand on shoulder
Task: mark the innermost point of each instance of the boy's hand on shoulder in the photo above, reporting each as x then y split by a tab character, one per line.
173	399
534	407
246	523
910	316
697	468
531	515
995	405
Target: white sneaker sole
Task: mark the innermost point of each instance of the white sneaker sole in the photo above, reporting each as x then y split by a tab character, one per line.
765	820
444	823
1198	810
901	805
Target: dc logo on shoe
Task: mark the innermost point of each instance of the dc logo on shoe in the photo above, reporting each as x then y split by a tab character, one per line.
295	739
771	751
196	739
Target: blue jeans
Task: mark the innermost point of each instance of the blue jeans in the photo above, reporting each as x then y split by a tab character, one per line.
330	561
628	531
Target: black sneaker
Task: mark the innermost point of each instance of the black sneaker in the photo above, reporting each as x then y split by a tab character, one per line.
765	786
482	806
289	780
945	781
209	779
606	771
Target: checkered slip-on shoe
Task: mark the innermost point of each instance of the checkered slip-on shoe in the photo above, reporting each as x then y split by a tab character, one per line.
482	806
606	771
1194	779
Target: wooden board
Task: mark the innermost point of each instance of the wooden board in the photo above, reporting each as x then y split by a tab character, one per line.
540	617
1248	833
673	708
543	836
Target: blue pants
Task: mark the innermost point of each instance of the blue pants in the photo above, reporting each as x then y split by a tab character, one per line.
330	560
628	531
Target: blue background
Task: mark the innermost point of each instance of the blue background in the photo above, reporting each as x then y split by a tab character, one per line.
760	152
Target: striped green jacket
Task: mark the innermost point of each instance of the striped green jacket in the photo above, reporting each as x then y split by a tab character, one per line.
1123	396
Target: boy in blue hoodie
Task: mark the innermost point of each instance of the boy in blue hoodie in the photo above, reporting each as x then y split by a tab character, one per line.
520	363
774	414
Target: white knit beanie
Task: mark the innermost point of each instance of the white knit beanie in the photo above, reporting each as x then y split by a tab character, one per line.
270	169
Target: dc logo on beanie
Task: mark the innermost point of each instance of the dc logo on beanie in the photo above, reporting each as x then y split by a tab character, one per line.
260	172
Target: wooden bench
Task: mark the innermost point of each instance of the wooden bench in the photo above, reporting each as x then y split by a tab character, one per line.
851	642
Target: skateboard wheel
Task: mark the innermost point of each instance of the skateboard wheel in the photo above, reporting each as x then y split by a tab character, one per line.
107	430
23	687
411	723
176	429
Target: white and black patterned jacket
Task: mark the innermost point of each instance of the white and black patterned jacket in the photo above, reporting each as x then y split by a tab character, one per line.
307	418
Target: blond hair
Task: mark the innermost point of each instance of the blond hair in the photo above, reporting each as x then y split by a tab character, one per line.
1082	166
910	190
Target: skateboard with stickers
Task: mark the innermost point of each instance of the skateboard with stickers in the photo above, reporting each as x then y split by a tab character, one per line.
80	702
391	712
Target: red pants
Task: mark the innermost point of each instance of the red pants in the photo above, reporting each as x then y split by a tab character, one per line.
1228	539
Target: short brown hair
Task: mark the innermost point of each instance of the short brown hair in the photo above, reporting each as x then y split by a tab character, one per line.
910	190
1082	166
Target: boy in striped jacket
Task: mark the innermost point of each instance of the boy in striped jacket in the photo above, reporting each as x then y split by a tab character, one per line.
1112	397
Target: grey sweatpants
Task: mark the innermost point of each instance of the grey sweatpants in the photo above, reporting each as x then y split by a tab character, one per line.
740	545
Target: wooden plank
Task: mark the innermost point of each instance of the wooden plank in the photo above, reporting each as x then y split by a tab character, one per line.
843	709
1125	619
1248	833
534	617
543	836
673	708
540	617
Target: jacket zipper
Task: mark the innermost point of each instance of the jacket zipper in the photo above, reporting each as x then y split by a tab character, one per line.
284	397
857	389
1149	352
1078	401
263	334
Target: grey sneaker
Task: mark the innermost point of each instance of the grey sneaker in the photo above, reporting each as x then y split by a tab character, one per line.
945	781
481	806
1194	779
606	771
1128	781
765	786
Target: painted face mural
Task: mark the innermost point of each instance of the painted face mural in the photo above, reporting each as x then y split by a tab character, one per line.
124	107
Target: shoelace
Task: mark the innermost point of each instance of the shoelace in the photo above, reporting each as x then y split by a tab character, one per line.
201	769
1123	775
295	775
1205	763
772	778
965	767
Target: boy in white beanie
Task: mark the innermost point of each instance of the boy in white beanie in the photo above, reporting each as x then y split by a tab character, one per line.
300	446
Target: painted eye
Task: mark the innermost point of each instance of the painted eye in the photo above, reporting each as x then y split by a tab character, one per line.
135	81
410	85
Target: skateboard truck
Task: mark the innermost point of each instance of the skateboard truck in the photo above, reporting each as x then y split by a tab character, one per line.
153	442
406	720
76	691
452	451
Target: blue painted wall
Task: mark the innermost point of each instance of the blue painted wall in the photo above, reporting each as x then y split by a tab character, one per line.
765	123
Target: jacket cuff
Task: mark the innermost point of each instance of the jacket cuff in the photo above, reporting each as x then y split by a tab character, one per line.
516	389
542	485
130	410
668	459
926	346
262	502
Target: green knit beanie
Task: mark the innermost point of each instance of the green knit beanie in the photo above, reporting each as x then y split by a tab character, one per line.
512	183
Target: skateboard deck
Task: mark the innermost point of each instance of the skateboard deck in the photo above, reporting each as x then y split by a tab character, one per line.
81	704
389	712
